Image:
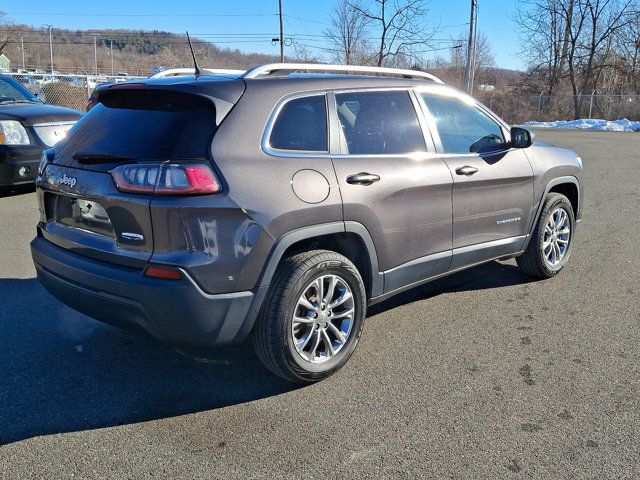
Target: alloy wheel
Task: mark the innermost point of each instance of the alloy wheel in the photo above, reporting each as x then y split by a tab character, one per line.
323	318
556	237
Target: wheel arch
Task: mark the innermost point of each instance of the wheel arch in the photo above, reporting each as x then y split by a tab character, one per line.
350	239
563	185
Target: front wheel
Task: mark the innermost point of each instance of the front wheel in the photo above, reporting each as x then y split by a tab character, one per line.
550	246
312	317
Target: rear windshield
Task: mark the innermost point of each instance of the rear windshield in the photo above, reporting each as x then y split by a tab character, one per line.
145	125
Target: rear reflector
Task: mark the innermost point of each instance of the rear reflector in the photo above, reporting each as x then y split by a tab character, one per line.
166	179
164	273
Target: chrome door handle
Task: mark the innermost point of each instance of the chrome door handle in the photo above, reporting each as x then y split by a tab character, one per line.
363	178
466	170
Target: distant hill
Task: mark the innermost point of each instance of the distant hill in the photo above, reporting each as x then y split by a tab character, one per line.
134	52
138	52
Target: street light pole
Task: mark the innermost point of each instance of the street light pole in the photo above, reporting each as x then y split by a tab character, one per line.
281	33
111	42
95	55
50	27
22	49
471	49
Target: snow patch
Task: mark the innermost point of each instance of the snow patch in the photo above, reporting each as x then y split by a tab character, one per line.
623	125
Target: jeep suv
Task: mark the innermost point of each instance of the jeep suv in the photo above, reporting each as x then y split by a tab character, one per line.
278	204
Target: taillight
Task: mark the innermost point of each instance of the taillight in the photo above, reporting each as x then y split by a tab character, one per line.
166	179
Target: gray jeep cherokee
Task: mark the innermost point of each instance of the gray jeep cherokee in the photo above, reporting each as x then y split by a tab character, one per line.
278	204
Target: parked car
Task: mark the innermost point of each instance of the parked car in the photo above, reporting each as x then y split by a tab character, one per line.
27	127
278	205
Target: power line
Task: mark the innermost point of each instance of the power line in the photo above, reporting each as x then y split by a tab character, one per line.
75	14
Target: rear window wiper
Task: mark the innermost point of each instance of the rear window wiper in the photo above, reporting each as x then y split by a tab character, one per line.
12	101
93	158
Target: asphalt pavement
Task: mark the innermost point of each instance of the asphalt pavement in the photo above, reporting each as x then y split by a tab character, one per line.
485	374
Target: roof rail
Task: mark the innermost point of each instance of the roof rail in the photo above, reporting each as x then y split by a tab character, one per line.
174	72
276	68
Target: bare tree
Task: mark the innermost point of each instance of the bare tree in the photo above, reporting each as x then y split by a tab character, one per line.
596	25
578	44
628	47
8	30
302	54
484	59
545	27
347	31
397	25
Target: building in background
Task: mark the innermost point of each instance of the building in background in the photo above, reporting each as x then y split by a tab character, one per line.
5	63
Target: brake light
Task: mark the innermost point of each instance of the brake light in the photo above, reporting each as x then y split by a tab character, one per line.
126	86
166	179
92	102
164	273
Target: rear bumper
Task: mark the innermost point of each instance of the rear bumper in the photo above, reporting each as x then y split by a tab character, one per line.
13	158
177	312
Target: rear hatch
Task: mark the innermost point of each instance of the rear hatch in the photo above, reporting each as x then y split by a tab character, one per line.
81	207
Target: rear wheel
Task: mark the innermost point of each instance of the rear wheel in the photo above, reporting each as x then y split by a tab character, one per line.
550	246
312	317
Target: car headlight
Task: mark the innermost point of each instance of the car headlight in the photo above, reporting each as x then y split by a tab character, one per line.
13	133
579	159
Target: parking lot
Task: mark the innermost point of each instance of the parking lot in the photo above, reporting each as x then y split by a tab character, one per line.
485	374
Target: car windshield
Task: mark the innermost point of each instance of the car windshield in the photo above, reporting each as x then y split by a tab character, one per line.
12	92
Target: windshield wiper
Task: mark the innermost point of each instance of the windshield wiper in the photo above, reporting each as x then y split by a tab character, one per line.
15	101
93	158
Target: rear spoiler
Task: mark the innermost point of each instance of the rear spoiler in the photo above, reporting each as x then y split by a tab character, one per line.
224	93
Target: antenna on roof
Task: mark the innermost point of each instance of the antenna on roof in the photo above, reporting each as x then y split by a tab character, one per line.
195	62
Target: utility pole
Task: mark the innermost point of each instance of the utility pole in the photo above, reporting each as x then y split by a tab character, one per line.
469	71
111	44
281	33
22	50
50	27
95	55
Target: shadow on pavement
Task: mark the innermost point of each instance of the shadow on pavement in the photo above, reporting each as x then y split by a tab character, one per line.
61	371
16	190
483	277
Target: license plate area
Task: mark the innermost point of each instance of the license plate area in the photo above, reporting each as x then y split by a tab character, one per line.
78	213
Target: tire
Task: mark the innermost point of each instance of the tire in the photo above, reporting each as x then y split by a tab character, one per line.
277	337
538	260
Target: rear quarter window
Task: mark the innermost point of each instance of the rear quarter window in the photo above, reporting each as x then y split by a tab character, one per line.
301	125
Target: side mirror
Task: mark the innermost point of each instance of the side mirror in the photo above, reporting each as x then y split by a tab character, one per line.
521	137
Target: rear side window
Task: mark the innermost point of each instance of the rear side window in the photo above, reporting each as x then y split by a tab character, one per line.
146	125
463	128
379	123
301	125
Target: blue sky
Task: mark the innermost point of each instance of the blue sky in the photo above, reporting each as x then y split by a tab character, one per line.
223	22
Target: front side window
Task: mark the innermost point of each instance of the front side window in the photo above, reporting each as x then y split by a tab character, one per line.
463	128
379	123
301	125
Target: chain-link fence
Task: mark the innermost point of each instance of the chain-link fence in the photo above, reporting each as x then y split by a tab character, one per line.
70	91
519	109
